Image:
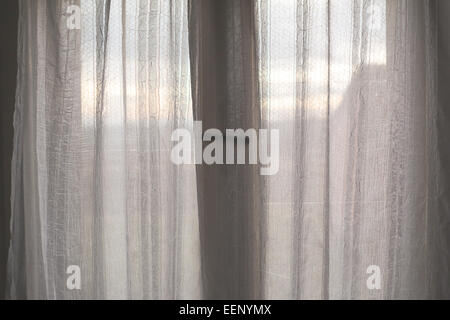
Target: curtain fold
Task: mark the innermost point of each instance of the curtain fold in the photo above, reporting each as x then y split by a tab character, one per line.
225	96
356	88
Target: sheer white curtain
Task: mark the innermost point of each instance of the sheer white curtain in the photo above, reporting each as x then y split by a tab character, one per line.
93	182
353	88
356	88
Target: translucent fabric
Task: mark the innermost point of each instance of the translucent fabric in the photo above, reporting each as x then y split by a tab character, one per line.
353	88
359	208
93	182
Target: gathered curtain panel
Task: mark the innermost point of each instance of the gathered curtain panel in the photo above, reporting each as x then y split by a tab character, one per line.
358	90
